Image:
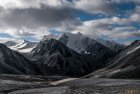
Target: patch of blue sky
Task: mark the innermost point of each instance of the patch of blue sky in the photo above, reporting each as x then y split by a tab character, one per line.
54	31
85	16
127	40
5	35
28	38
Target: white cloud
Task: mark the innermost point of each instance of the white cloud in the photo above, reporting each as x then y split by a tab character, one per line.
19	17
92	6
103	27
124	1
22	4
95	6
24	32
134	18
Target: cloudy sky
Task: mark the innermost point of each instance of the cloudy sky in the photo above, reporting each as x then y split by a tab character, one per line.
117	20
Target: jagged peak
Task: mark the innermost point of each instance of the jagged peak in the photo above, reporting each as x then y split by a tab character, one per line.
79	33
26	40
52	42
48	37
68	33
51	39
51	46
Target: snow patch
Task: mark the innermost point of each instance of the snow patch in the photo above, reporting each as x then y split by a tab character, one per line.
133	50
87	52
63	81
23	46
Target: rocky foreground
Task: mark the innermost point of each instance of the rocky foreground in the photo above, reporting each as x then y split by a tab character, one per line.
13	84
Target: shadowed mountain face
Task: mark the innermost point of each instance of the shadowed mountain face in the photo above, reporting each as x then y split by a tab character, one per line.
53	57
12	62
125	65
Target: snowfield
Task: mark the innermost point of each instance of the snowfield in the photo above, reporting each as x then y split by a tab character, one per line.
22	46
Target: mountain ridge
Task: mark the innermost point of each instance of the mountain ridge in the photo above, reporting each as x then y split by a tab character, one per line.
124	65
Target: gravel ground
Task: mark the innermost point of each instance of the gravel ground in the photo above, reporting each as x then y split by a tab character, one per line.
68	86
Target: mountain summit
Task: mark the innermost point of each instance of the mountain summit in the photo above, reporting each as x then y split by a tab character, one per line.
53	57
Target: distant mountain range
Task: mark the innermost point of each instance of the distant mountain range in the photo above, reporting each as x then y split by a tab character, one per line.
70	55
22	46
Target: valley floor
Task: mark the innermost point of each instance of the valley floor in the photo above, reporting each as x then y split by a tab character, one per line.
13	84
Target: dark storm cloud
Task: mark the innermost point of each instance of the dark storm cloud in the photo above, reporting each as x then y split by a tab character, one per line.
33	17
50	15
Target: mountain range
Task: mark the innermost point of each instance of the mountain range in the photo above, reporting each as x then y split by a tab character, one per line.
72	55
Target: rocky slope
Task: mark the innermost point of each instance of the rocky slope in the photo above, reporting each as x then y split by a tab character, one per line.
111	44
125	65
12	62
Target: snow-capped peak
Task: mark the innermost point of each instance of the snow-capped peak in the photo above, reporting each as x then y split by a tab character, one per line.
23	46
79	42
75	41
